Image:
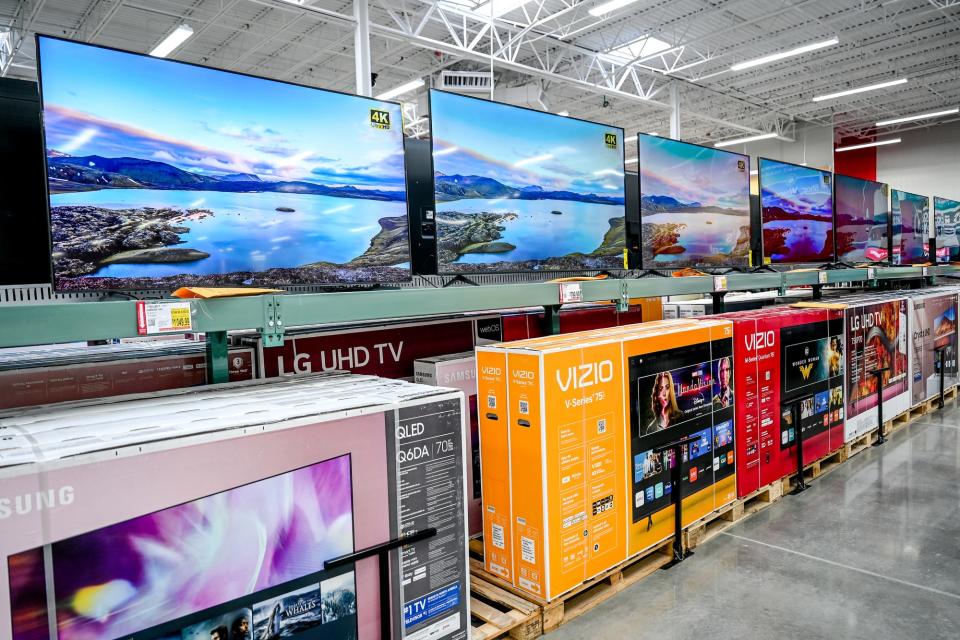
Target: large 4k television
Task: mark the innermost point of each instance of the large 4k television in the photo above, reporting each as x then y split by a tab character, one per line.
163	174
911	227
694	205
796	205
861	220
946	216
519	190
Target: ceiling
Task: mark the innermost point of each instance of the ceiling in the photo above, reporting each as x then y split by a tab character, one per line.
560	49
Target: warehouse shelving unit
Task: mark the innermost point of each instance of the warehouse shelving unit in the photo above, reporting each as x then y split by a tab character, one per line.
32	324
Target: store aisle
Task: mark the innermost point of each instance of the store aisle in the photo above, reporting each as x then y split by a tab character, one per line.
871	551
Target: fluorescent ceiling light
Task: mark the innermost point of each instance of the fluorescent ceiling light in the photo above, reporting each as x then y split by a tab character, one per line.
878	143
920	116
176	38
730	143
607	7
807	48
850	92
533	160
630	161
640	48
404	88
498	8
446	151
563	113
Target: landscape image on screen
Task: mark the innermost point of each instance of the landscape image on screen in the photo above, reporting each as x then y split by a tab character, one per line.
156	568
523	190
946	215
862	219
911	232
163	174
694	205
797	212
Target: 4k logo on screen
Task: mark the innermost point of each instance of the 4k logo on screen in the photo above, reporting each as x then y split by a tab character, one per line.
610	139
380	119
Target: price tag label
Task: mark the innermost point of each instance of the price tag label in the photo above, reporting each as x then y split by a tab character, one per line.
822	277
163	317
719	283
871	273
570	292
925	271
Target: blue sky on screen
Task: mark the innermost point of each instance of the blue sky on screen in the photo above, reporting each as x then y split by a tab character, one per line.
693	174
490	139
114	104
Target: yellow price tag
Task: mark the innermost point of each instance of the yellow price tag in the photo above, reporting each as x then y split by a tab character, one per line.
180	317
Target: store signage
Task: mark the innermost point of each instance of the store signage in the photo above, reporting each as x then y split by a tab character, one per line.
570	292
163	317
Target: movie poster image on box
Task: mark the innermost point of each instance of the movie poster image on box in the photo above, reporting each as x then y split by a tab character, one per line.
933	328
235	625
339	595
288	614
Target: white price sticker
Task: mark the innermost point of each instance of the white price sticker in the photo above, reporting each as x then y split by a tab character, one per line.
822	277
871	273
570	292
719	283
925	271
163	317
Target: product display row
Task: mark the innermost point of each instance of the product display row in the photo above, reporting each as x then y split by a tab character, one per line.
251	195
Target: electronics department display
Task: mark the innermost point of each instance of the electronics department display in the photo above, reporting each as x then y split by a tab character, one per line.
694	205
521	190
797	213
861	220
946	215
194	176
911	228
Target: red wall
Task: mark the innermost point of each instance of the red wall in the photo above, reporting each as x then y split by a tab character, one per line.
861	163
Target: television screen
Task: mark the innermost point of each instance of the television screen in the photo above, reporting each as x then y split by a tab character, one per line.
197	566
194	176
796	205
911	231
862	220
522	190
694	205
946	215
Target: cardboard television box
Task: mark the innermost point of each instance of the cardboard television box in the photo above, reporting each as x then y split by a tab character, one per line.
571	486
187	512
62	373
933	329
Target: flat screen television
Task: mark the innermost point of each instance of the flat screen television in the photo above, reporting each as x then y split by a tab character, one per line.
946	216
861	220
796	205
519	190
911	230
163	174
694	205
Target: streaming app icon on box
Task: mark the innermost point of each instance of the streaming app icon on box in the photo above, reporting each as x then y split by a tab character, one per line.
638	499
649	493
694	473
658	490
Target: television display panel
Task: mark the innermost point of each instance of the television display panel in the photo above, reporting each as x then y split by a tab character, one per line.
194	176
196	566
694	205
911	230
946	216
862	220
519	190
796	205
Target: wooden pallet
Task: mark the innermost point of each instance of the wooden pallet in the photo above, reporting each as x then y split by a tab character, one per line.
496	613
860	443
816	469
914	412
721	520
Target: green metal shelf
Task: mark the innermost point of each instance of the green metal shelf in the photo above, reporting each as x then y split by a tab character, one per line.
44	323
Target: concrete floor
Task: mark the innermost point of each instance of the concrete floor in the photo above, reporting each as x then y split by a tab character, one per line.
871	550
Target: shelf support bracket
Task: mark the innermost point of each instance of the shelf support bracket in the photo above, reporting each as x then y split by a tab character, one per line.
272	328
218	367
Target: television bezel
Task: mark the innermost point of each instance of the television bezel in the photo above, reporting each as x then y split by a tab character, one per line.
433	172
763	248
106	290
836	253
936	237
743	156
929	211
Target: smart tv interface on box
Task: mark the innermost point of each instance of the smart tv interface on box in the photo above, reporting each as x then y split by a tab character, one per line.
694	205
796	205
519	190
193	176
243	564
911	227
946	216
861	220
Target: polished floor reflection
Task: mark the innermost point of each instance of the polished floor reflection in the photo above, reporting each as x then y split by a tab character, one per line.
871	551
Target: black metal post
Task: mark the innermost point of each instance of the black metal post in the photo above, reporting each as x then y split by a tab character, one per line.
718	303
941	352
879	375
817	293
381	551
795	418
676	479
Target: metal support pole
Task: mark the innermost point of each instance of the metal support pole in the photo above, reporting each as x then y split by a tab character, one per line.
941	352
675	110
795	417
879	375
817	292
218	369
718	304
676	497
361	46
551	320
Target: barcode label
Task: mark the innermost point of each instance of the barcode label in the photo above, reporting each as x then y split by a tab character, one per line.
528	550
524	407
497	533
491	401
602	425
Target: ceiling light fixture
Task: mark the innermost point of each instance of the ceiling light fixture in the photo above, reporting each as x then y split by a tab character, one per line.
402	89
807	48
730	143
878	143
607	7
869	87
176	38
920	116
